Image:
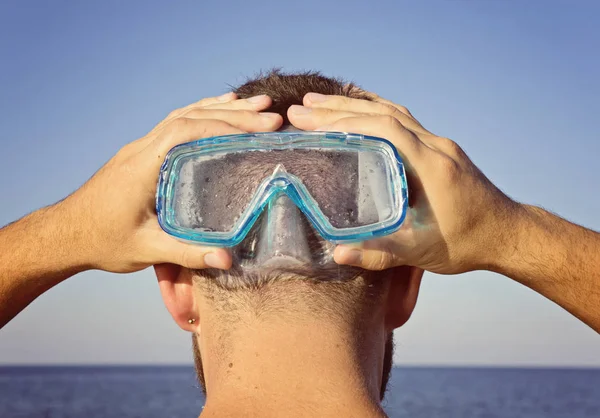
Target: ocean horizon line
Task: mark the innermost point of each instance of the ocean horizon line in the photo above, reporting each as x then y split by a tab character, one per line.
6	366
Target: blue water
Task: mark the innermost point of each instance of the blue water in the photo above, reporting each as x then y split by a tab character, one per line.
149	392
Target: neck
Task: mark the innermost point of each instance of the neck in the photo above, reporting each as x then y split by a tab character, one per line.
284	366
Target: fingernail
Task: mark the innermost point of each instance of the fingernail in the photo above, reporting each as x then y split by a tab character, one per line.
213	260
316	97
299	110
353	257
257	99
268	116
225	97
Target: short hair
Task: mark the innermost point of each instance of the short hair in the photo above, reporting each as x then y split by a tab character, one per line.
341	293
289	89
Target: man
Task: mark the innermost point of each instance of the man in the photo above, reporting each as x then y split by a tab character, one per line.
300	346
317	341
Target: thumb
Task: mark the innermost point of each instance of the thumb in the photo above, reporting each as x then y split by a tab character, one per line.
194	256
370	255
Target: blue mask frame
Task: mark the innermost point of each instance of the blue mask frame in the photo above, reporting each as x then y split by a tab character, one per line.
281	182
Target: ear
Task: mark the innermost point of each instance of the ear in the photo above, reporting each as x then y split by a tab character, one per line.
402	297
177	291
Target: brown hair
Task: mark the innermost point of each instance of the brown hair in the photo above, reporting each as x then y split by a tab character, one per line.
289	89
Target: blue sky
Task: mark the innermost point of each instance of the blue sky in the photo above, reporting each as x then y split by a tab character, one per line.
514	83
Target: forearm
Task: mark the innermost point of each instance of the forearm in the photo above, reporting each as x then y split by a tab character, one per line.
36	253
557	259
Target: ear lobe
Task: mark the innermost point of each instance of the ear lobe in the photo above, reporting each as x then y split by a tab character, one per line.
177	291
402	297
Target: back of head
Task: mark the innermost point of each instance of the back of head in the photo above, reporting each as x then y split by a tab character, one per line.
343	295
332	291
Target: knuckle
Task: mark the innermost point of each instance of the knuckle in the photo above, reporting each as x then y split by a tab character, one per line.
389	121
451	147
130	149
386	109
174	113
450	168
125	151
328	115
403	109
340	101
192	111
380	260
185	258
179	124
205	101
235	104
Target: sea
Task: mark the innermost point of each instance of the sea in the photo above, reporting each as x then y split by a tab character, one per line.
416	392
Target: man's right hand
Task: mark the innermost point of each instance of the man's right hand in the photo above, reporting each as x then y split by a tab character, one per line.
114	212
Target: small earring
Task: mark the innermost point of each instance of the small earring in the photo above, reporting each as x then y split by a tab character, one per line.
191	321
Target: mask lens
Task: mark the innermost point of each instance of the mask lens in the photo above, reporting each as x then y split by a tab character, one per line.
213	192
348	186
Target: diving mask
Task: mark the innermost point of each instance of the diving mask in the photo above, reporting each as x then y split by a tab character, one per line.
228	190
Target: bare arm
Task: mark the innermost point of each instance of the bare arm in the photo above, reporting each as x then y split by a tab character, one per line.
110	223
458	220
36	253
557	259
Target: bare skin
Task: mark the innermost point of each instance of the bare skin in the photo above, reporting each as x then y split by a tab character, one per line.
283	376
110	223
289	360
458	220
272	369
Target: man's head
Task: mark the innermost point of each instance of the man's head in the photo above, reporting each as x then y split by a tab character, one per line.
364	306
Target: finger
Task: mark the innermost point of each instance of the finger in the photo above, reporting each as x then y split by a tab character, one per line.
227	101
245	120
160	248
309	119
377	98
224	98
348	104
182	130
193	256
401	108
207	101
256	103
376	254
388	127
